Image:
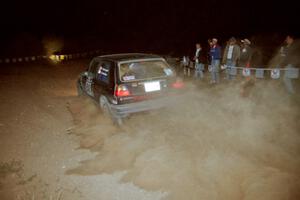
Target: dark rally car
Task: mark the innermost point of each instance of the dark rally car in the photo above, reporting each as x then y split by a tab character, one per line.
123	84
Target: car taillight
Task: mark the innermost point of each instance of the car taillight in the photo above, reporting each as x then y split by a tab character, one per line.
122	91
178	84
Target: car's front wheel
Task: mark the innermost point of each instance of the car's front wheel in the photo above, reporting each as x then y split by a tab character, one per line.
79	89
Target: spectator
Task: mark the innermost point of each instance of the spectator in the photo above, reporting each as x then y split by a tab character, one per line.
185	64
215	56
290	60
231	57
199	62
282	54
246	53
208	58
245	61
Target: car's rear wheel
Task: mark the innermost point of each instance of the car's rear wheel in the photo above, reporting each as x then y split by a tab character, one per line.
107	112
118	121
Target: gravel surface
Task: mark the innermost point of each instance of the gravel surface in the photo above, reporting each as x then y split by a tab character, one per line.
35	141
230	142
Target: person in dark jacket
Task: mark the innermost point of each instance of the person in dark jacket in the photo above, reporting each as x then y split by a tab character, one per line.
215	57
245	61
290	61
246	53
199	62
231	57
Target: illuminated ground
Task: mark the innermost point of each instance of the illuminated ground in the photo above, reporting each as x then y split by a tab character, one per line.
215	144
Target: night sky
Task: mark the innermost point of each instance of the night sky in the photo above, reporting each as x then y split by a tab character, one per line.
149	24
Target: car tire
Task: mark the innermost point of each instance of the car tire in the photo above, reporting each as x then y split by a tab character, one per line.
107	112
118	121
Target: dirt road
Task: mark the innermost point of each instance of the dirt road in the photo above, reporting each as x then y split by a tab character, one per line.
215	144
36	146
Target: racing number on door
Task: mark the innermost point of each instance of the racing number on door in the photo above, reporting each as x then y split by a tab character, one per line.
88	86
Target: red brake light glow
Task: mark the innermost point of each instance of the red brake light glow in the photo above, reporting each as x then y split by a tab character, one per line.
122	91
178	84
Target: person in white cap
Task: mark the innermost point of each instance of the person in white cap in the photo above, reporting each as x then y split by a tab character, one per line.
245	61
246	53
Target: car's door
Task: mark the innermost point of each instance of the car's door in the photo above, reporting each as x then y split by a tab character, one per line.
104	79
90	77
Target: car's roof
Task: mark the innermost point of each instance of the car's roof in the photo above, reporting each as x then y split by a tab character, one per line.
129	56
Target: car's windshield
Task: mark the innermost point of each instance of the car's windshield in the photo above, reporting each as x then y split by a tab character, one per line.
138	70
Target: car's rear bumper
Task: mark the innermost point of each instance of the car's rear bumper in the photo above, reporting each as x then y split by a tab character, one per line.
146	105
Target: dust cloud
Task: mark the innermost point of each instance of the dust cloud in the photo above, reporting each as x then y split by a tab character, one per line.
214	144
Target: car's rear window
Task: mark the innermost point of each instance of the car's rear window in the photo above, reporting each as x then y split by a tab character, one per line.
139	70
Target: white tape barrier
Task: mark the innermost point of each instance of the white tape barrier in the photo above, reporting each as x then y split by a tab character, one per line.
275	73
56	58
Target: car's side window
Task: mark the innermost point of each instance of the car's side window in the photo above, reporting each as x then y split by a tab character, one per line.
103	73
93	67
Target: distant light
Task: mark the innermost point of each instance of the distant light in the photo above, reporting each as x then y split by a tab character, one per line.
52	57
55	58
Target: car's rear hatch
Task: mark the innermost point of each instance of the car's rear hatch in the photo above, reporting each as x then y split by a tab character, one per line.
143	79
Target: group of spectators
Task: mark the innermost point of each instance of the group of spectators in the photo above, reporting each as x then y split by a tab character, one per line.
235	54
